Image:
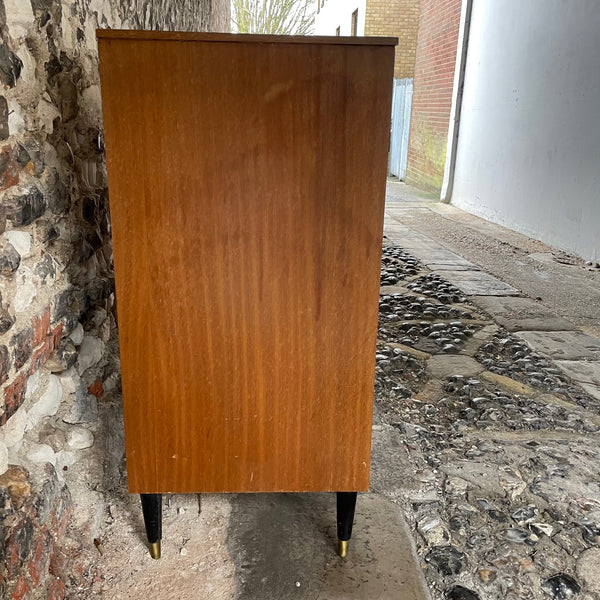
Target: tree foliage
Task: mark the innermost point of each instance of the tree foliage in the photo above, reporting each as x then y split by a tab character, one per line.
279	17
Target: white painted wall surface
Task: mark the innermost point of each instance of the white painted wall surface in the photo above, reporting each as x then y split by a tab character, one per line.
338	13
528	153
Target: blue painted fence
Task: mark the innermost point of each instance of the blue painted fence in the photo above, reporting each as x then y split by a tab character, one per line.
401	104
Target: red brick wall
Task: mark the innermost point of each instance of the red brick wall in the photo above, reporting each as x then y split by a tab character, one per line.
399	18
439	23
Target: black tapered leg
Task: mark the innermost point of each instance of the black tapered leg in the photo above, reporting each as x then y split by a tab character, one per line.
152	509
346	504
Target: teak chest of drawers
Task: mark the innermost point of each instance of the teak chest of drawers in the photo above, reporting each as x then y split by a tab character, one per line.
247	183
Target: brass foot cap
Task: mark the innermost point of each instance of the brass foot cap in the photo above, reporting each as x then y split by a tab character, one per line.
343	548
155	550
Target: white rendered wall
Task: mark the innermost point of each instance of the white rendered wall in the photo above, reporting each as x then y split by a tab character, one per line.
338	13
528	153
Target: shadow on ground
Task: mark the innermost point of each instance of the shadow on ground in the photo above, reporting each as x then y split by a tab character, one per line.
283	547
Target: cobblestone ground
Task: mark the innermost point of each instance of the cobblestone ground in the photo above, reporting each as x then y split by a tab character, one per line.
505	501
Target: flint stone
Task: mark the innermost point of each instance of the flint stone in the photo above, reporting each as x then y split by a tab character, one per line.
561	587
46	268
480	475
79	438
14	429
6	320
542	528
77	334
24	209
22	541
68	97
85	409
524	514
64	458
90	353
22	344
70	382
10	64
48	403
59	199
52	437
63	358
3	458
61	306
517	536
21	240
458	592
9	176
45	232
4	363
40	454
33	383
433	531
446	559
26	290
98	317
4	131
19	17
9	259
49	492
16	122
29	152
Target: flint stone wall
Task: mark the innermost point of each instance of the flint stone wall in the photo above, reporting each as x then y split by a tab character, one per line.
58	355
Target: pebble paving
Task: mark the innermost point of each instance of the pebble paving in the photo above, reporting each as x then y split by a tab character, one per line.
505	500
508	355
396	264
424	323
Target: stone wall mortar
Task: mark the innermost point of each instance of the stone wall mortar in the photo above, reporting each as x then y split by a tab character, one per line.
58	344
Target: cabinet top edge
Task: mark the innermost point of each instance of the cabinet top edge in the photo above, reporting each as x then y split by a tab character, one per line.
184	36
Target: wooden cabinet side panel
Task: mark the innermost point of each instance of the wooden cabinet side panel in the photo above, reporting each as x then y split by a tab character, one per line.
247	184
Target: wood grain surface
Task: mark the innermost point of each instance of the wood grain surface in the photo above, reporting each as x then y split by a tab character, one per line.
247	185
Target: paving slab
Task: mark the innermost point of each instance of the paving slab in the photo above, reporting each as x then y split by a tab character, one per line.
581	371
592	390
408	239
400	235
431	253
478	283
393	289
566	345
442	366
522	314
283	547
585	373
451	267
391	224
445	259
